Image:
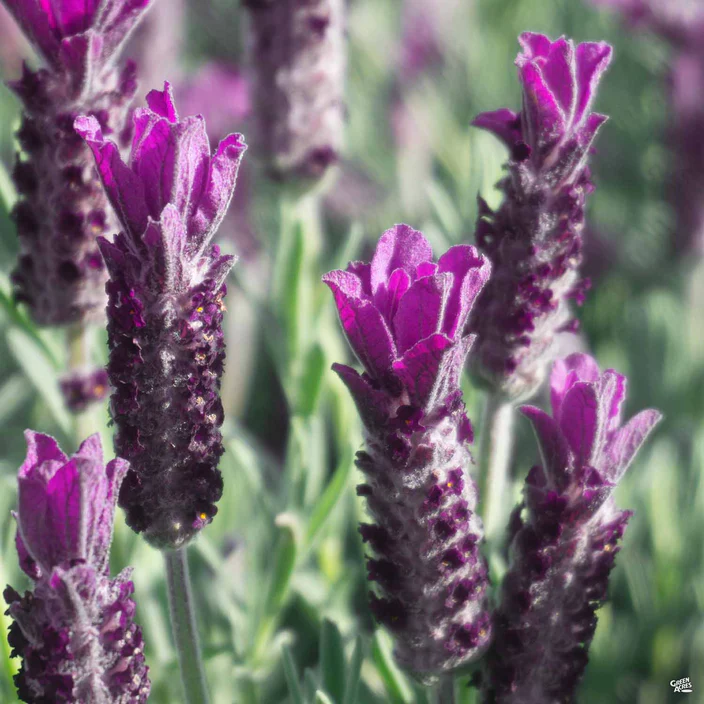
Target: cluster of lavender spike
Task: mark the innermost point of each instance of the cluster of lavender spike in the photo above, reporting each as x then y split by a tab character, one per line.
74	631
534	239
60	274
404	316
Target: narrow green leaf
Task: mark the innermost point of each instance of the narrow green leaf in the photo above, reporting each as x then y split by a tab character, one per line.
291	672
314	369
354	672
322	698
310	684
332	659
397	688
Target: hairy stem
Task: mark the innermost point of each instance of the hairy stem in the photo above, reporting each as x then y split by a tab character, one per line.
183	624
496	445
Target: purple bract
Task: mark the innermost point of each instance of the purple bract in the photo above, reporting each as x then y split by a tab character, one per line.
74	631
534	239
62	208
166	293
404	316
564	547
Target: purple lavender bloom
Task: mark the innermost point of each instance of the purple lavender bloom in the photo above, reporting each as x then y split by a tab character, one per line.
166	290
74	631
60	273
82	388
298	55
404	317
535	238
564	548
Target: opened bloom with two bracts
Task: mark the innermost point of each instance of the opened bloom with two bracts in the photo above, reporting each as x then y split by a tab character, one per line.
404	316
563	547
166	290
74	631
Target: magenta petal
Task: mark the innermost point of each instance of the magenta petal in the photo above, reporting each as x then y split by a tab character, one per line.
27	563
400	247
419	368
580	421
624	445
40	448
420	311
554	450
544	119
566	372
91	449
534	45
471	271
611	393
559	71
161	102
504	123
592	60
389	295
372	404
344	284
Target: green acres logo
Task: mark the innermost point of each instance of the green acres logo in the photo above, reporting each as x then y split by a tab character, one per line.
683	685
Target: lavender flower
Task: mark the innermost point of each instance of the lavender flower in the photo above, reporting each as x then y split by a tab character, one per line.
404	317
165	307
535	239
74	631
298	55
60	274
564	549
81	388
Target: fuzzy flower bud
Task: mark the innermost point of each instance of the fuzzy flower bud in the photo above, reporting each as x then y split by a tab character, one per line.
74	631
62	208
534	239
404	317
298	56
166	290
564	547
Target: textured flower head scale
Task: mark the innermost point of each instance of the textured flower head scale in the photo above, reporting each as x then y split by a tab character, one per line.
404	316
60	274
74	631
565	543
165	312
535	238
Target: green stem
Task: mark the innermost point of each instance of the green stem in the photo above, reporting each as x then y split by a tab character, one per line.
183	624
78	342
495	459
444	691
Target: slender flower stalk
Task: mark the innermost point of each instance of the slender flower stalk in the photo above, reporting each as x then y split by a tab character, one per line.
534	239
564	547
60	274
404	316
74	631
166	290
299	59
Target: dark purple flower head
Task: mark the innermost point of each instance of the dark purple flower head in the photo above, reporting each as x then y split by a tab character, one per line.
165	310
69	33
535	239
74	631
82	388
404	316
299	60
60	274
564	547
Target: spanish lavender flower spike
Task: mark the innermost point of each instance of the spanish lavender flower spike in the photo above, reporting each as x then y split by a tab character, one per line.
298	56
404	316
74	631
60	273
564	548
535	238
166	290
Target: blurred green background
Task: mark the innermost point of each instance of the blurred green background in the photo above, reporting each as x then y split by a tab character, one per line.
279	575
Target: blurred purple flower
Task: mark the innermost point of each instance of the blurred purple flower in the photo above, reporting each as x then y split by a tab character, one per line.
60	273
535	238
565	547
165	307
298	57
74	631
82	388
404	317
13	46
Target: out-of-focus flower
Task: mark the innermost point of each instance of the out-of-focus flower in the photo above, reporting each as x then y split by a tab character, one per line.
298	58
564	548
13	46
74	631
404	316
82	388
60	273
165	308
535	238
